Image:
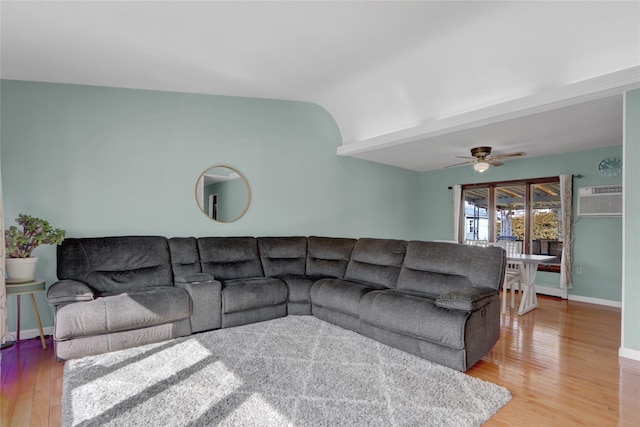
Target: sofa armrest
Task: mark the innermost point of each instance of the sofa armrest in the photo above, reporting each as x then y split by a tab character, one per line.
206	300
68	291
469	299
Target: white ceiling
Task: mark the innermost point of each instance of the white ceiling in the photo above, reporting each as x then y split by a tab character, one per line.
587	125
411	84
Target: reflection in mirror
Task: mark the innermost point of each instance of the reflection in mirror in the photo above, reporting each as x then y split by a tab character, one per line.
223	194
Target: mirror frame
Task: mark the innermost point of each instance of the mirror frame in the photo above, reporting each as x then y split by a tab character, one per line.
246	185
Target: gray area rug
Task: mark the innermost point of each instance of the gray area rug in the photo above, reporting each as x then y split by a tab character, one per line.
293	371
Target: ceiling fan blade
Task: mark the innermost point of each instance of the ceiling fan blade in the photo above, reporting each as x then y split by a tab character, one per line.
460	164
508	156
483	154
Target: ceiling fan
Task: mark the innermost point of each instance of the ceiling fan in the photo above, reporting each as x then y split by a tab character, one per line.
482	158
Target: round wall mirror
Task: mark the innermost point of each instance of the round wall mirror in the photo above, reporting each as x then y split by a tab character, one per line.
223	194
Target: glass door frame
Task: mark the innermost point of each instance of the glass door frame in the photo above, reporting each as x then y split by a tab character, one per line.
528	203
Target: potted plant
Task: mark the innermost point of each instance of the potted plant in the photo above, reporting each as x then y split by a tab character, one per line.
20	243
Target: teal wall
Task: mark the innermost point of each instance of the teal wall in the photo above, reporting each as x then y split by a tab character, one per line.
106	161
631	172
597	241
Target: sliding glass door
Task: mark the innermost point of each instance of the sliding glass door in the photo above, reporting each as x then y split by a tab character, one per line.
528	211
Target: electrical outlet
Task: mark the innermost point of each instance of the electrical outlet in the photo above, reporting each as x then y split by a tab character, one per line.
579	270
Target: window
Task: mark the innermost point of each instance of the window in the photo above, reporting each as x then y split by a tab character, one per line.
525	210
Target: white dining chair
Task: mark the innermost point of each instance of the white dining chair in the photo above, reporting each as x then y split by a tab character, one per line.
481	243
513	274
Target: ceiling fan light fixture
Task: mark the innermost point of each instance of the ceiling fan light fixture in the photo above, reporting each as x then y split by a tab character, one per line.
480	166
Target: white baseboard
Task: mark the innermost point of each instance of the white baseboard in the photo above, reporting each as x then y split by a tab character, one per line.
26	334
552	292
598	301
562	293
629	353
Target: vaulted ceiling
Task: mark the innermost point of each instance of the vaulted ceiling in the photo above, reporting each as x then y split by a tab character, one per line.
411	84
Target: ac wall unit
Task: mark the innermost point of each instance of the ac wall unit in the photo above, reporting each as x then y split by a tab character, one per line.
603	200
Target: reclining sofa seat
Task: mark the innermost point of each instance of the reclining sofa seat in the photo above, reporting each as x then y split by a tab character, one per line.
301	261
115	293
247	295
444	306
285	258
374	264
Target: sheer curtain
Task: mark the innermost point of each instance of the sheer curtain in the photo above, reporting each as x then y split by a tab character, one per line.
566	194
456	192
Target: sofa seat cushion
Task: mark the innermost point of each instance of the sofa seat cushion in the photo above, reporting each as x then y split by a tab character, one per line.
122	312
249	293
340	295
413	315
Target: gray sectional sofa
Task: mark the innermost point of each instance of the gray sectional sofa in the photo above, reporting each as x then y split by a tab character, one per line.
436	300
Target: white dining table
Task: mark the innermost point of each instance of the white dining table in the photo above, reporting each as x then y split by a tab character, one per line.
529	267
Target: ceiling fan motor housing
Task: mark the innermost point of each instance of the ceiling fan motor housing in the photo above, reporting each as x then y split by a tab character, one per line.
481	152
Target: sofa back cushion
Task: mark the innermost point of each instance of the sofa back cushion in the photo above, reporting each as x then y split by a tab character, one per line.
376	261
230	257
283	256
328	256
116	264
436	268
185	259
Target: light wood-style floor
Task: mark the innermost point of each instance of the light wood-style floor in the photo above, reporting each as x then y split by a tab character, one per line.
560	363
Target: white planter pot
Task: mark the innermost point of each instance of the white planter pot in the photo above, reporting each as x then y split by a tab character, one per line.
20	270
